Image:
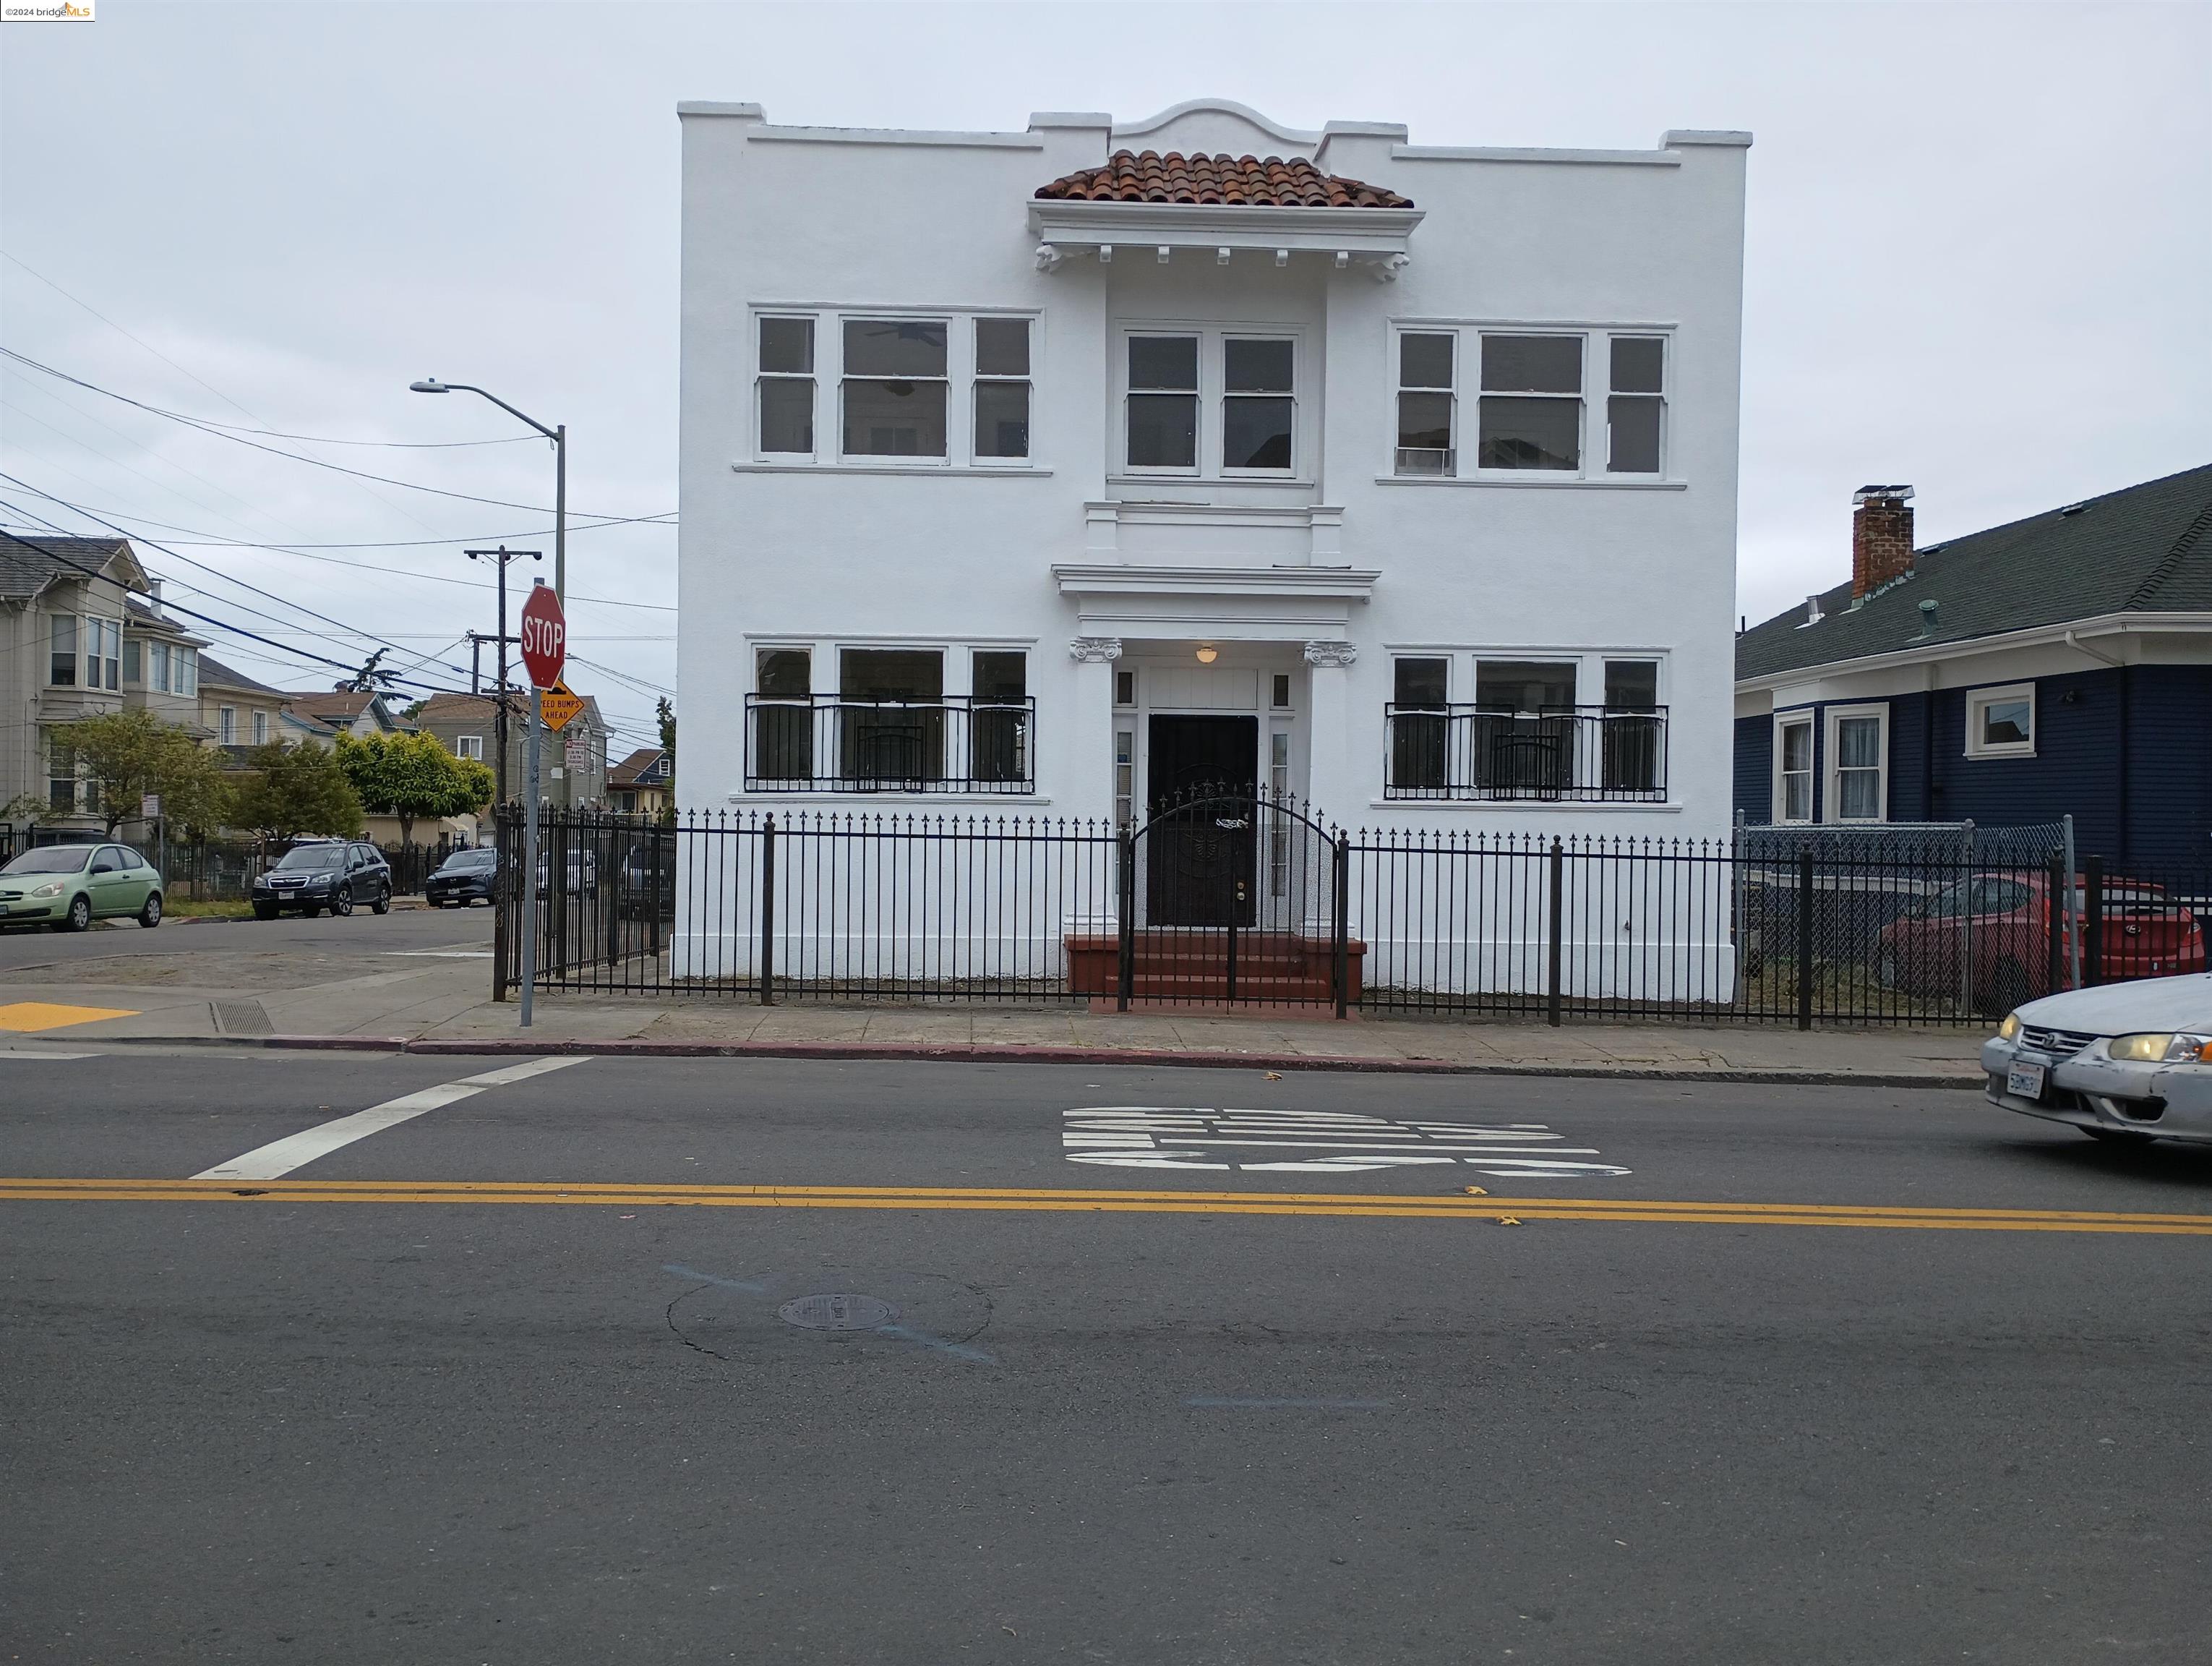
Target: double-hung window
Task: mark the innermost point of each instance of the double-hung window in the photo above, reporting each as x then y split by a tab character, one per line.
158	677
1858	748
261	731
1420	726
1531	404
187	677
1217	403
1002	387
469	746
895	385
787	386
1636	404
1425	411
61	773
226	725
1257	404
1163	410
1537	393
61	666
1793	773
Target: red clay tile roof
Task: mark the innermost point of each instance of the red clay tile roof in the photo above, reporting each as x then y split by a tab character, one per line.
1150	177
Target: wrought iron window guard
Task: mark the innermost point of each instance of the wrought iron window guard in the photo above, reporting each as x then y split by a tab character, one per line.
826	742
1563	753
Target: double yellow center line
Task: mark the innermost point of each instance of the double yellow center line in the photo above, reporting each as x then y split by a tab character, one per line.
1380	1206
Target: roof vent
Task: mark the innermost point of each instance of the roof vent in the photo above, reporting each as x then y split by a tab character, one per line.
2075	508
1928	617
1813	614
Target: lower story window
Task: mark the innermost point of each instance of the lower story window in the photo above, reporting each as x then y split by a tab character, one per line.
61	774
1794	801
1857	739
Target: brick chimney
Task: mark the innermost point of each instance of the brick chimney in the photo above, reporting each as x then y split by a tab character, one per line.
1881	538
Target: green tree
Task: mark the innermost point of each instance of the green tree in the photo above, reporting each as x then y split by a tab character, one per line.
408	775
297	789
664	714
126	755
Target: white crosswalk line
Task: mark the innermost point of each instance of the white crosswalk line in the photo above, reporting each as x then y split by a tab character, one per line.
280	1157
1337	1142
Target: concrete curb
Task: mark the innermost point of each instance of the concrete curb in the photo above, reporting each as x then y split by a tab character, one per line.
970	1053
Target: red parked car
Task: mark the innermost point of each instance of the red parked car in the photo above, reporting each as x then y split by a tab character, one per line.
2004	921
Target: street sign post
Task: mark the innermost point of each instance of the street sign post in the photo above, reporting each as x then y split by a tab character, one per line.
544	652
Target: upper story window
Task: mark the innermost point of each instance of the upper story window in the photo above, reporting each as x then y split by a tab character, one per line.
1002	387
469	746
1535	396
1427	421
102	647
895	383
1210	402
226	725
950	390
787	386
61	670
261	728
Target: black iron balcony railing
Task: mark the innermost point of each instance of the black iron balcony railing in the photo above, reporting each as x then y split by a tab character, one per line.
1577	752
825	742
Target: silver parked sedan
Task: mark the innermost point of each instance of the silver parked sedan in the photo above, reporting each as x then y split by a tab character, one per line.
2127	1062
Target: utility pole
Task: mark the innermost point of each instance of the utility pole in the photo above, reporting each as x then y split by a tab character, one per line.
501	555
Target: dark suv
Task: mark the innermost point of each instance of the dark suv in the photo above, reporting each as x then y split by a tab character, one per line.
324	873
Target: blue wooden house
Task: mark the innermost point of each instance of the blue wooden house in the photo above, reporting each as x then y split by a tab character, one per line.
2058	665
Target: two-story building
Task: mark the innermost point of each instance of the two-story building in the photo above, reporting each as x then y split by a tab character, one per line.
1067	468
64	602
575	757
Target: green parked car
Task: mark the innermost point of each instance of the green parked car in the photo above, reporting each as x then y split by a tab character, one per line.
68	886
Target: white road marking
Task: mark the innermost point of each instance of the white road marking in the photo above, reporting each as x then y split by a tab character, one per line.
438	954
279	1158
1342	1142
29	1052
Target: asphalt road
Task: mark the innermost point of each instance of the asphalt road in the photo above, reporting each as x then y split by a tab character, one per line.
1251	1382
360	932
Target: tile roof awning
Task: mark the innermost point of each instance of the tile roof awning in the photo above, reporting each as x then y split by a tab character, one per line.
1151	203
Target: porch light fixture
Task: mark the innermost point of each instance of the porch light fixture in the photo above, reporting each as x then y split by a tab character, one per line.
1208	654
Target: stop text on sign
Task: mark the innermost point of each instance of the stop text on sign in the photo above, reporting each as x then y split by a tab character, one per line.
545	637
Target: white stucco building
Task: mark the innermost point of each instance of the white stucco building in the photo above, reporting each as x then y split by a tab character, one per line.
1094	417
1125	456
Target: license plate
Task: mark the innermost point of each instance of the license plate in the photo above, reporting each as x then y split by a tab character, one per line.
2024	1081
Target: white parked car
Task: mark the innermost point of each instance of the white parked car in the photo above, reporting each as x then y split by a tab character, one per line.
2126	1061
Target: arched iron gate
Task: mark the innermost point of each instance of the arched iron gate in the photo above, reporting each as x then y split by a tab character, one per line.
1232	897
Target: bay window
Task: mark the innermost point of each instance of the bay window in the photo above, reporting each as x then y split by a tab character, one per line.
61	665
1793	772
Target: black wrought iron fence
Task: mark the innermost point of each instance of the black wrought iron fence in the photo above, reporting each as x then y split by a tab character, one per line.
1224	901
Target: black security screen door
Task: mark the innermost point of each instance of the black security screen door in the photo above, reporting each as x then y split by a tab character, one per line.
1201	868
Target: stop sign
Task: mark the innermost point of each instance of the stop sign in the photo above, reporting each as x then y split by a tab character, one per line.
545	637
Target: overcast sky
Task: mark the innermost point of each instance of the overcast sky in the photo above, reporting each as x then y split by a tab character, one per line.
1978	251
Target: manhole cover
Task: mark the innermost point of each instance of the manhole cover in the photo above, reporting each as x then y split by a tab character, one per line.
838	1311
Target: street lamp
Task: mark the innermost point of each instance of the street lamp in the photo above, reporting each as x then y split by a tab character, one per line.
559	435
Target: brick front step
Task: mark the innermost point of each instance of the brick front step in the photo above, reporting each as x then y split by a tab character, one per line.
1194	965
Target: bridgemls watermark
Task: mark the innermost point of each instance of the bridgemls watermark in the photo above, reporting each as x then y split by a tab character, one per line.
45	11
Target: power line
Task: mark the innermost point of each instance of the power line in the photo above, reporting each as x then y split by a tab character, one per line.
283	601
303	551
240	440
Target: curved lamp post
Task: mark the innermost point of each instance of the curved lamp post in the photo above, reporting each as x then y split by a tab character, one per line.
559	435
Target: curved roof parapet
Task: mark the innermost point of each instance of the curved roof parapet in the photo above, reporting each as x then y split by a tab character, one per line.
1292	137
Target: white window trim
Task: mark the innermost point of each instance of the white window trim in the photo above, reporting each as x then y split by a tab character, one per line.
1978	700
1791	719
1594	441
830	319
469	746
1212	395
1831	771
978	378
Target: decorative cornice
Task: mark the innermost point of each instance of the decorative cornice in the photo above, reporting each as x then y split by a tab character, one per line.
1094	650
1339	654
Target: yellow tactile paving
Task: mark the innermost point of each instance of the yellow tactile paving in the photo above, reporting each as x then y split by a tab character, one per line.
27	1015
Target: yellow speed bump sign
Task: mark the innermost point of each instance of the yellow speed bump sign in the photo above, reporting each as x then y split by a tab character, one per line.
556	706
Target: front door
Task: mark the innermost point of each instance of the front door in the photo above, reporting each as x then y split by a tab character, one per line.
1200	868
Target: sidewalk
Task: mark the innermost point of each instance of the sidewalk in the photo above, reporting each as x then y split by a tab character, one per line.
432	1003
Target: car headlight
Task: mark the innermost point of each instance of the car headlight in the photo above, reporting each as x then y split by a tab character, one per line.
52	888
2161	1048
2009	1028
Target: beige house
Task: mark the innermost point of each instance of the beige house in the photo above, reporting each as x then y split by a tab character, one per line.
575	759
160	661
64	602
342	710
239	714
642	784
